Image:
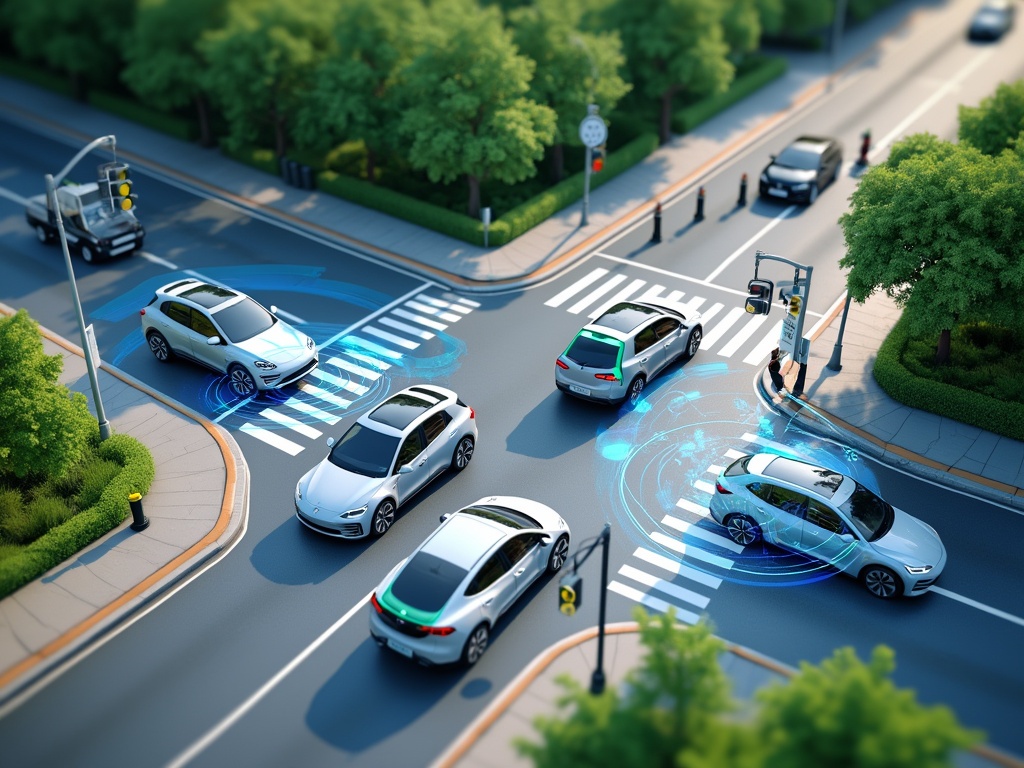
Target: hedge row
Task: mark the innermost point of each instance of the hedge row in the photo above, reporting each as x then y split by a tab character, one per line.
939	398
33	74
173	125
62	542
770	68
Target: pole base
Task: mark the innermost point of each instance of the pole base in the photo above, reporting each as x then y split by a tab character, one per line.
140	525
597	682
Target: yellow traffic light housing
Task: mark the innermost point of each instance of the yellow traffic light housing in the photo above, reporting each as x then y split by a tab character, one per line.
570	594
795	303
119	186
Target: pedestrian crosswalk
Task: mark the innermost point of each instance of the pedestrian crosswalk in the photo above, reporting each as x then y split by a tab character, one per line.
350	365
687	558
729	334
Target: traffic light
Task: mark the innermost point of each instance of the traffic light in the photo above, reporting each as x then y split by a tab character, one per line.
119	186
570	593
597	159
759	299
795	302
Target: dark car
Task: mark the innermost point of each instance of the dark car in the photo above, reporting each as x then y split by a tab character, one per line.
991	21
802	170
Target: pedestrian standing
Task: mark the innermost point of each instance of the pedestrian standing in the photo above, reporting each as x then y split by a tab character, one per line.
775	371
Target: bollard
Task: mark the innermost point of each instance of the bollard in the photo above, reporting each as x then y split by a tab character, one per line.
307	177
865	145
139	521
699	215
656	237
743	191
293	173
283	162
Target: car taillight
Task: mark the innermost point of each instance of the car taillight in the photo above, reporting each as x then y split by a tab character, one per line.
562	365
606	376
722	489
142	311
376	605
442	631
472	413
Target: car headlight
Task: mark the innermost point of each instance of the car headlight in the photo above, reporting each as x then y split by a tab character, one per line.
764	177
310	344
917	570
298	490
800	187
355	512
264	365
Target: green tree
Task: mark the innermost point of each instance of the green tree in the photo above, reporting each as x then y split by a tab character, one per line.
741	26
998	122
673	48
574	68
165	67
84	38
806	18
468	114
261	62
667	704
351	97
938	228
848	714
44	428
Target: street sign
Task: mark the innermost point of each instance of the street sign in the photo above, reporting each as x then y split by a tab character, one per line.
593	131
93	351
787	336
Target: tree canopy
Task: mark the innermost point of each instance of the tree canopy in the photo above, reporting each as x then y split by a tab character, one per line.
468	114
44	427
998	122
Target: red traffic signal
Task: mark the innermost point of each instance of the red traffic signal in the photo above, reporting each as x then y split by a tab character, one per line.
597	159
759	300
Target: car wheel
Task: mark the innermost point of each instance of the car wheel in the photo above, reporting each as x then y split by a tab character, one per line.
881	582
159	347
742	530
693	343
558	555
87	254
476	645
43	234
463	454
636	388
813	194
241	381
383	518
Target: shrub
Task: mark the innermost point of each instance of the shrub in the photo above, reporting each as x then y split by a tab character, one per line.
263	159
8	550
96	475
36	518
10	504
32	73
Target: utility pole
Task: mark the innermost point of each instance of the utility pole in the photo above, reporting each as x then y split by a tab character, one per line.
792	338
570	590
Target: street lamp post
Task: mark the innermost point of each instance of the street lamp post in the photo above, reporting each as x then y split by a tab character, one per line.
51	196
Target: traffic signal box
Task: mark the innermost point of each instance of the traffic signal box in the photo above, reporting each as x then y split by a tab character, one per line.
570	593
116	184
795	302
597	159
759	298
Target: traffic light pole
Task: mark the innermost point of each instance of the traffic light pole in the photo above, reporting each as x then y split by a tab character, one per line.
800	353
597	680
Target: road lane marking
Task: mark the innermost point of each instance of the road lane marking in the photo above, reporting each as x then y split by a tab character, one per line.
745	248
239	712
678	568
271	438
696	509
695	552
673	590
595	294
576	287
980	606
287	421
654	603
696	531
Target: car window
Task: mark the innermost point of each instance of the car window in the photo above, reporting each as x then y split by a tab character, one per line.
515	549
244	320
492	570
427	582
872	515
644	339
799	157
435	425
665	326
364	451
411	448
823	517
179	313
594	352
793	502
763	491
203	325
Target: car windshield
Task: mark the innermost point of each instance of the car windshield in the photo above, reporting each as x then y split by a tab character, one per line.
426	582
244	320
871	514
795	156
364	451
593	352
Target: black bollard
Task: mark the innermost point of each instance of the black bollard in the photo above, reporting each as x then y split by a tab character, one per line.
699	215
656	237
139	521
743	191
865	145
283	162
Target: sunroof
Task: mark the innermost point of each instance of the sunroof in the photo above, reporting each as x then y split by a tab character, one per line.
400	411
625	316
824	481
209	296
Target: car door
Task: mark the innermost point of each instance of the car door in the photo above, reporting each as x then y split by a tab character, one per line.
493	587
524	555
411	452
203	328
643	356
669	345
440	442
826	537
787	509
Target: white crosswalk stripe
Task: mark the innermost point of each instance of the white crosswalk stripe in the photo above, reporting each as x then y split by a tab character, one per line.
287	421
337	381
654	603
424	321
622	295
695	530
322	394
692	551
667	587
592	277
312	410
433	311
271	438
358	370
696	509
406	328
678	568
593	296
404	343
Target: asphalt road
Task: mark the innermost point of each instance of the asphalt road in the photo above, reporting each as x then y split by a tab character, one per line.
265	657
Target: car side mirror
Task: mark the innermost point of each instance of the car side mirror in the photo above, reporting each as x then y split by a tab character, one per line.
330	442
445	516
846	537
545	539
273	309
405	469
213	341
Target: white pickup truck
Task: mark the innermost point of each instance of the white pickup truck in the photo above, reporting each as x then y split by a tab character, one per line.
94	228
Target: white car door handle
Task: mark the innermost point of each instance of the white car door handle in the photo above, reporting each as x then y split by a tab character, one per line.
423	462
521	571
488	601
644	359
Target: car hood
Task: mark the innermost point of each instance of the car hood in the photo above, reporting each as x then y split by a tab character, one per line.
279	344
116	225
334	489
789	175
910	541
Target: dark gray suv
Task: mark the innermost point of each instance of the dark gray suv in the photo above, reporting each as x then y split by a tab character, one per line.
802	170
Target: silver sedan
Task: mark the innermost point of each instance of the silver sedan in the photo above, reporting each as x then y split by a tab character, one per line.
830	517
440	605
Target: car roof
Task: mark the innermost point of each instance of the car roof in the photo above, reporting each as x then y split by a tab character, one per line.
812	143
464	540
401	410
626	316
819	480
200	293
